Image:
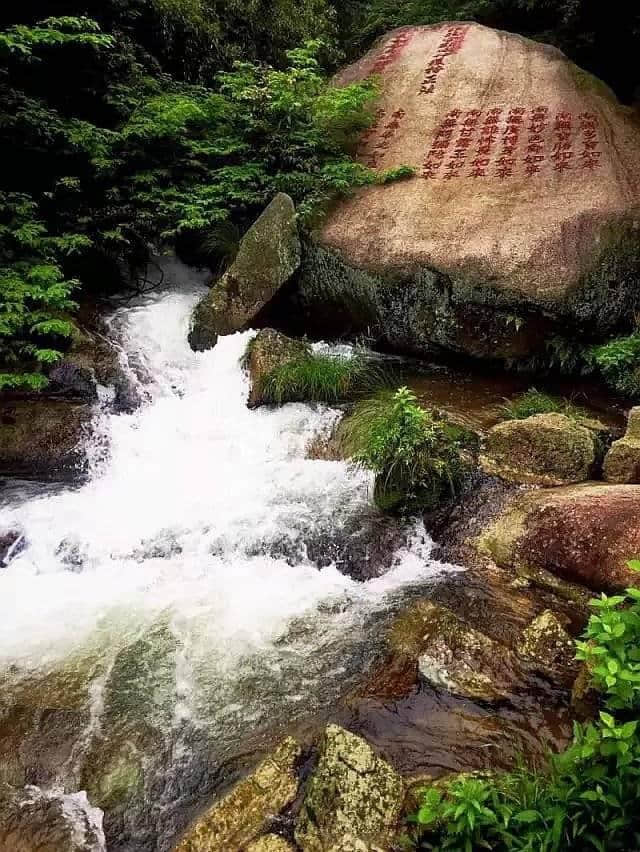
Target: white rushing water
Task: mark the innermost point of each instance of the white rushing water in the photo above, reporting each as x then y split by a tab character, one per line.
195	523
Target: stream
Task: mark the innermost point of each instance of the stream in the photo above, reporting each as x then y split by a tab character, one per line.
166	621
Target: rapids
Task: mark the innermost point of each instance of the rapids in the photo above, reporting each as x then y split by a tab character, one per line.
171	599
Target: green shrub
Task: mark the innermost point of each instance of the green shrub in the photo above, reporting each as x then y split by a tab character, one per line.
618	361
535	402
587	797
320	378
416	458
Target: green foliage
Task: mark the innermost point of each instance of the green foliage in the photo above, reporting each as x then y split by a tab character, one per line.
415	457
587	798
320	378
536	402
618	361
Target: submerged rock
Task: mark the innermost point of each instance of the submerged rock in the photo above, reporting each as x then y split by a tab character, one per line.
268	256
546	642
454	656
269	349
34	820
546	449
243	814
582	533
622	462
42	437
521	221
353	797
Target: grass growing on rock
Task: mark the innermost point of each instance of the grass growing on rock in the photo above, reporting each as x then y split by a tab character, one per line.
321	378
536	402
416	457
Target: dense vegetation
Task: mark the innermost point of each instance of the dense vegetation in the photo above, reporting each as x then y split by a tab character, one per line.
127	124
587	798
418	459
533	402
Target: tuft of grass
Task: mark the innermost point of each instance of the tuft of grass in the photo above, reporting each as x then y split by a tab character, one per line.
618	361
535	402
322	378
416	458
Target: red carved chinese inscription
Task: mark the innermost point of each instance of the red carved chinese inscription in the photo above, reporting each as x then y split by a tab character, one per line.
392	50
590	153
562	149
451	43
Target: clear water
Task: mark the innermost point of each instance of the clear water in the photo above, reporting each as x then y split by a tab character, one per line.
194	524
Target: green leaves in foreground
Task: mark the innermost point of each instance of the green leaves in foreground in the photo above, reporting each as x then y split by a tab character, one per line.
587	798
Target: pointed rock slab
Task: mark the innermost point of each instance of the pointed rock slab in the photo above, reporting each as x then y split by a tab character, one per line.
268	256
239	817
521	220
353	794
622	462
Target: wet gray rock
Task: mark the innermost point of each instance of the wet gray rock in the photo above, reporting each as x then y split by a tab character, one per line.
353	793
73	380
268	256
12	542
34	820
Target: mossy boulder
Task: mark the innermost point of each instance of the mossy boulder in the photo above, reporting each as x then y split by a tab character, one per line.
268	256
269	349
482	252
43	437
243	814
353	795
622	462
546	449
583	534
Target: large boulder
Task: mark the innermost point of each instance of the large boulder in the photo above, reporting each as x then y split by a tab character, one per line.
352	795
243	814
269	349
268	256
622	462
582	533
521	221
43	437
546	449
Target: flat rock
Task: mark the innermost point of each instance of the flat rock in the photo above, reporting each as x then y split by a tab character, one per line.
43	437
521	220
268	256
583	534
353	797
546	449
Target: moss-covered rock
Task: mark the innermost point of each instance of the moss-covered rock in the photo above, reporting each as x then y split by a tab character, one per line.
583	534
243	814
268	256
352	796
269	349
270	843
622	462
43	437
547	643
546	449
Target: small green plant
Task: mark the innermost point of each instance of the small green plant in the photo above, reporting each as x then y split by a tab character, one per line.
618	361
416	458
587	797
536	402
321	378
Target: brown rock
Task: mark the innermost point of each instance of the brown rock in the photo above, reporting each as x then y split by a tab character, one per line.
622	462
269	349
546	449
504	237
268	256
582	533
42	437
547	643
